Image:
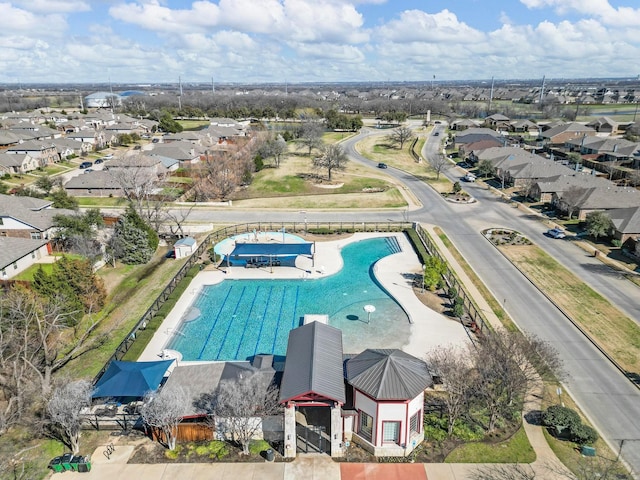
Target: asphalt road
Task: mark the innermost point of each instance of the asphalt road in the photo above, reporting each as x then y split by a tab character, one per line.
611	402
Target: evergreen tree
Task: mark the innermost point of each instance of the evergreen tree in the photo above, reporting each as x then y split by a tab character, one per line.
133	241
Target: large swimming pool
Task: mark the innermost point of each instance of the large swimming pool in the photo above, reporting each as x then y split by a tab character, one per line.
237	319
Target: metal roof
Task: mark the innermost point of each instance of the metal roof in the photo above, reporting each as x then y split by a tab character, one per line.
313	363
388	374
275	249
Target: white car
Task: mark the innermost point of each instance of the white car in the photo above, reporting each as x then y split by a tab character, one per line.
469	177
556	233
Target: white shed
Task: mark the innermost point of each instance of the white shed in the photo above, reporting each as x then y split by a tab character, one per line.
185	247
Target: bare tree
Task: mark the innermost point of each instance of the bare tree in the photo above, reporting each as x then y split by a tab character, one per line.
38	327
452	366
163	411
570	200
439	163
611	167
217	176
399	136
526	186
64	409
310	135
504	472
333	157
276	148
238	406
505	364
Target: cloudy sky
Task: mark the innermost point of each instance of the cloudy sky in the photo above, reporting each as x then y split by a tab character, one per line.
315	40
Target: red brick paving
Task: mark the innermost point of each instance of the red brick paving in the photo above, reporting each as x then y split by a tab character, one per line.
376	471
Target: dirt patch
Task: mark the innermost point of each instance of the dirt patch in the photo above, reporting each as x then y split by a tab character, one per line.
436	301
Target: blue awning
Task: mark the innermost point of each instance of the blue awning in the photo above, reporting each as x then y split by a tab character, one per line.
271	249
130	379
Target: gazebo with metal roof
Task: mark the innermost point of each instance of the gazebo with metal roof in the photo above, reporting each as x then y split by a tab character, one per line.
313	377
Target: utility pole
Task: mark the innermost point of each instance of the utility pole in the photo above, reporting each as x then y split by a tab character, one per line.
541	92
491	95
213	86
180	93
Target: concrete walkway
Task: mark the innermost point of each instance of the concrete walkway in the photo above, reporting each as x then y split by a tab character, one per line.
426	325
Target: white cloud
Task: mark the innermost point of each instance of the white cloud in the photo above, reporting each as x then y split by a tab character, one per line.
600	9
54	6
17	20
419	26
156	17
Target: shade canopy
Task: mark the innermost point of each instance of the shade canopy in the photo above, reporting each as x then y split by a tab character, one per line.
131	379
273	249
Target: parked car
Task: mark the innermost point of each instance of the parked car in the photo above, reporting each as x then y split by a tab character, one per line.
382	165
98	161
463	165
84	165
88	170
436	134
108	156
556	233
469	177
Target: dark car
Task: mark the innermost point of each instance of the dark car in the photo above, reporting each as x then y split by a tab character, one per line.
84	165
382	165
98	161
436	134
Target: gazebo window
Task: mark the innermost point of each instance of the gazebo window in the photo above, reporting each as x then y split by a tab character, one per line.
414	423
366	426
391	432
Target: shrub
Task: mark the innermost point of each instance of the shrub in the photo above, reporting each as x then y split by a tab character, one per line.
561	416
258	446
457	310
173	454
453	293
217	449
456	187
583	434
616	243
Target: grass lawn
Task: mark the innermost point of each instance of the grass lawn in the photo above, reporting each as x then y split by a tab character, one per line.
568	452
132	289
101	201
495	305
295	184
516	449
335	137
194	124
615	333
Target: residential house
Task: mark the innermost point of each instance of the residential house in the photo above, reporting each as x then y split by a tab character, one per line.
605	125
44	151
626	222
67	147
387	391
27	217
524	126
471	150
10	138
597	198
472	135
186	153
17	163
95	138
606	149
99	183
498	122
37	132
561	134
18	254
543	190
463	124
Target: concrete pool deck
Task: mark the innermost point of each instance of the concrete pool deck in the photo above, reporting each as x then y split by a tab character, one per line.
428	328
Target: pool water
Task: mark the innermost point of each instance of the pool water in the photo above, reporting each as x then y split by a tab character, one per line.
237	319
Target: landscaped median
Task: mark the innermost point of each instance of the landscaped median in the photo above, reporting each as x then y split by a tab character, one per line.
613	332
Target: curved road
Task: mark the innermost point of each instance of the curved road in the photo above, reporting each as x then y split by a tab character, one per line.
605	395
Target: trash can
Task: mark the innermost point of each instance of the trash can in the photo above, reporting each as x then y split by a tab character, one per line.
588	451
84	465
66	461
56	465
75	460
270	455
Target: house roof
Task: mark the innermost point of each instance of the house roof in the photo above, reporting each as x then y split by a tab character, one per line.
560	183
573	127
626	220
471	135
97	179
313	364
202	379
13	159
388	374
32	145
609	198
13	249
32	212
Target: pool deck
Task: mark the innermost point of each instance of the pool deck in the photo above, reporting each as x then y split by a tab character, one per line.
428	328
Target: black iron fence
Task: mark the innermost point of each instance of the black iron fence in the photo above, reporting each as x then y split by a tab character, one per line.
477	320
